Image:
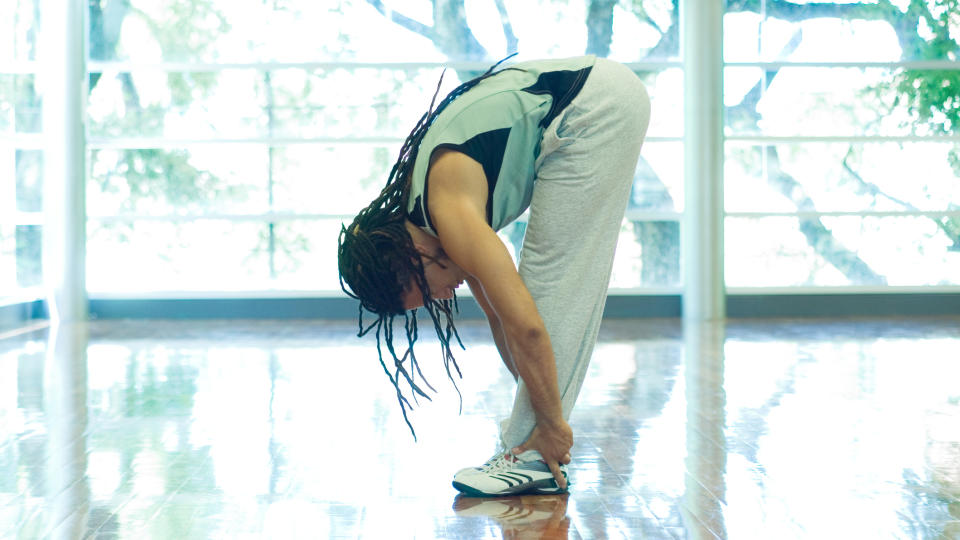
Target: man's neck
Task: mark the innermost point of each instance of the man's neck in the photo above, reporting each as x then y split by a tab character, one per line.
421	237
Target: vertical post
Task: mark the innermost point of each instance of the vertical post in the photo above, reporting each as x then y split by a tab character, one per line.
62	56
704	297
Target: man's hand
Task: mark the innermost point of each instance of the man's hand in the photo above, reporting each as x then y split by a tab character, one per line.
554	441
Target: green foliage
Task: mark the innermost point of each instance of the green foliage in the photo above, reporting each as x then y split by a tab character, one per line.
932	97
273	240
18	94
189	86
152	173
951	226
188	28
144	121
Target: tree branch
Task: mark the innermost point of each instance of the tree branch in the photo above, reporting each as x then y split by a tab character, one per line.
452	34
945	224
818	236
404	21
512	41
600	26
669	43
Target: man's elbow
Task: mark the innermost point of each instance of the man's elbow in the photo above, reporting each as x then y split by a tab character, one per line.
530	337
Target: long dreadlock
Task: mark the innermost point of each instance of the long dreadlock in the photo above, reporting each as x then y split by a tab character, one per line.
377	259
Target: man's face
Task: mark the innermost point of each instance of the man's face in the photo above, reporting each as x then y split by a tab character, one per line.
443	276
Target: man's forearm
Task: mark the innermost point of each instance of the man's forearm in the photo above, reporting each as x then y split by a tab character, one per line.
537	367
501	341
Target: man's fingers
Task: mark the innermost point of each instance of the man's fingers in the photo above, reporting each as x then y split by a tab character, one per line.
557	475
566	459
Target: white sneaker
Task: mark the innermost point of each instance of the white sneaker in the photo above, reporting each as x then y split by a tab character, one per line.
507	474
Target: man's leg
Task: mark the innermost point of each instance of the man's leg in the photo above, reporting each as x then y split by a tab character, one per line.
584	173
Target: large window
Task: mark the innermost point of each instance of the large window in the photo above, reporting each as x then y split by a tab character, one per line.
229	140
843	144
21	161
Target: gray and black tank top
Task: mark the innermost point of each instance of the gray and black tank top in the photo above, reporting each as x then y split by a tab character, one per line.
499	123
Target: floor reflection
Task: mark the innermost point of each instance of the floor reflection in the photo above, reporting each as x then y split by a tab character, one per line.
67	497
280	429
706	457
519	517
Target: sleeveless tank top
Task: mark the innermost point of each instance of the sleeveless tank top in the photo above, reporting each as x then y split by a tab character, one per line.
499	123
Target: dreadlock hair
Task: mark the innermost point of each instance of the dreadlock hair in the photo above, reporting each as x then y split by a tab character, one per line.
377	259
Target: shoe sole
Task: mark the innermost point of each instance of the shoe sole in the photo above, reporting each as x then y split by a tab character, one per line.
540	487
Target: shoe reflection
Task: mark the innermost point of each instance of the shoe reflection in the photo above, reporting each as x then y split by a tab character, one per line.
534	516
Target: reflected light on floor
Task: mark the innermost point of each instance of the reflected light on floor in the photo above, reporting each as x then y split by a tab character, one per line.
280	429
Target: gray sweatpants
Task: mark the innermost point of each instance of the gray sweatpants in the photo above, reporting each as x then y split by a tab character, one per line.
587	160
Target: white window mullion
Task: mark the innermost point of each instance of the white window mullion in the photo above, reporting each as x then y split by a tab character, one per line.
702	244
62	84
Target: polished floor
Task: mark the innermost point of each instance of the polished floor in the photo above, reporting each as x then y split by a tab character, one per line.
846	429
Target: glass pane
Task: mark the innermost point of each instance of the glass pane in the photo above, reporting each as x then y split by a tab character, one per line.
842	177
361	102
400	31
304	256
18	30
156	256
226	178
330	179
809	101
8	260
839	31
658	182
213	255
29	176
648	255
20	256
839	251
21	178
19	105
8	187
236	178
28	240
666	101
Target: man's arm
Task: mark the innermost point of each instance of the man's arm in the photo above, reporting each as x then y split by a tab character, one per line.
495	327
458	192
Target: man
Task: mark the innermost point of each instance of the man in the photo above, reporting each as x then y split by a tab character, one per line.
560	137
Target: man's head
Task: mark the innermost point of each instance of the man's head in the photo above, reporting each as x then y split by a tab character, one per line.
378	261
386	267
443	276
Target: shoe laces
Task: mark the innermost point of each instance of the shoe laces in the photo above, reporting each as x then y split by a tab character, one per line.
504	461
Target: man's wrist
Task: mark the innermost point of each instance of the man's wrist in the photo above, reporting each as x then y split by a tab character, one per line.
552	420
